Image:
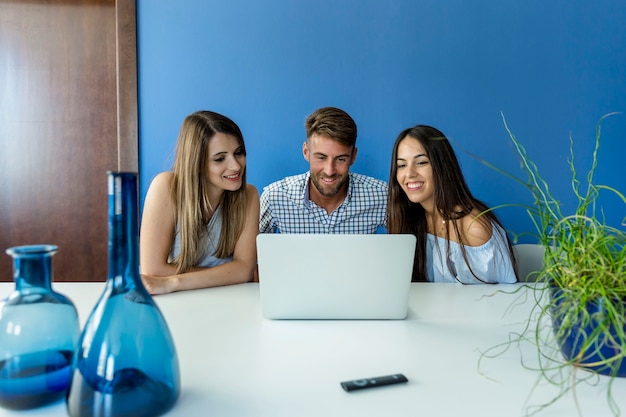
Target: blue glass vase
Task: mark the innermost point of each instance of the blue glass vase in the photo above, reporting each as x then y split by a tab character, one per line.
39	330
126	363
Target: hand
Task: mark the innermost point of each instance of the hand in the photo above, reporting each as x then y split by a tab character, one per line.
159	285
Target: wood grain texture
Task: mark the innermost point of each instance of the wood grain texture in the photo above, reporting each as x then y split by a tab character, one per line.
63	125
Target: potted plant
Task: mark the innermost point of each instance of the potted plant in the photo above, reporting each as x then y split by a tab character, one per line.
577	323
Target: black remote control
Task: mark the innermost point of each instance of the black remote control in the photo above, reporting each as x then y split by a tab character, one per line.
379	381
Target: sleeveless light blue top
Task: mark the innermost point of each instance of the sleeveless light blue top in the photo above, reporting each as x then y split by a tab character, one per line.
211	238
490	261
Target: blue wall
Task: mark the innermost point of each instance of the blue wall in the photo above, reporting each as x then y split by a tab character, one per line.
553	68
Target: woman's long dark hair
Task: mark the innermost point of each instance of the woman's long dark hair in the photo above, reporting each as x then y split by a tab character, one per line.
452	197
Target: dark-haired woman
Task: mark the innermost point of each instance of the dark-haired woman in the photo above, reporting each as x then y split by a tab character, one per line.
458	238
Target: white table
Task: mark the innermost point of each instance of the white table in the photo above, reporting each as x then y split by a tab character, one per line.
236	363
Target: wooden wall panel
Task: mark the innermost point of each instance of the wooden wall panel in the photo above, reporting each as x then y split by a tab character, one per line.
63	125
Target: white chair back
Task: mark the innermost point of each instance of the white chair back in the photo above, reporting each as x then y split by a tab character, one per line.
529	260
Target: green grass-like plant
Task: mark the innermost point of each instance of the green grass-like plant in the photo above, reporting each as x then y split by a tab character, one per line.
581	287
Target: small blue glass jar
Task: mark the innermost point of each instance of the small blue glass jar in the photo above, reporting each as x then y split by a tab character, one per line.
39	330
126	364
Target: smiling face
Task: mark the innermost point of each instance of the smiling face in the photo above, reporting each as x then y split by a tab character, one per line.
329	163
415	173
226	162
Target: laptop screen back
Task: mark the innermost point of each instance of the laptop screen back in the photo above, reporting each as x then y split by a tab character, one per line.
335	276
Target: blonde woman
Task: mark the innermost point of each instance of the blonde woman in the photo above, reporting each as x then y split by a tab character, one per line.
200	220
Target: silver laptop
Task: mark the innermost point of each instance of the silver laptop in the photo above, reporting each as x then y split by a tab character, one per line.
335	276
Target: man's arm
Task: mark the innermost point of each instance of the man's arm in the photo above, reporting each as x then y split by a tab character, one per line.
266	221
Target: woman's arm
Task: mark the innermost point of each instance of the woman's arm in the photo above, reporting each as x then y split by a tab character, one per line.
158	225
239	270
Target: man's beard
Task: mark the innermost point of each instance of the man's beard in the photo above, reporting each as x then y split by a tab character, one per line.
326	190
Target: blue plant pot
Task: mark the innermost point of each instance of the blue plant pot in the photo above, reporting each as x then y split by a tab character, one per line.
584	344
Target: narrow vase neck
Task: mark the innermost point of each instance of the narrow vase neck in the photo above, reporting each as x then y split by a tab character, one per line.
123	229
32	266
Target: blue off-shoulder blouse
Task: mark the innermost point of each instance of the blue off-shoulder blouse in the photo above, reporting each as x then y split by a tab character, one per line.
490	262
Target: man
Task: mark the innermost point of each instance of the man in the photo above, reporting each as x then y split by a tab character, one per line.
328	198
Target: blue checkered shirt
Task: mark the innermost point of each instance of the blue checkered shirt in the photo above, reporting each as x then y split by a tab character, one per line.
286	208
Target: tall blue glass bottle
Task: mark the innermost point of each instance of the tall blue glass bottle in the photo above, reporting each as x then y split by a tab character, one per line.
126	363
39	330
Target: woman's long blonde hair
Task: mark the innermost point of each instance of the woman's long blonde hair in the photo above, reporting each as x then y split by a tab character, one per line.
189	190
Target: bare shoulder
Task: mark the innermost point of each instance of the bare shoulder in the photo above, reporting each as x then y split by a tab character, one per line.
253	201
252	194
159	209
162	180
251	190
159	192
477	229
